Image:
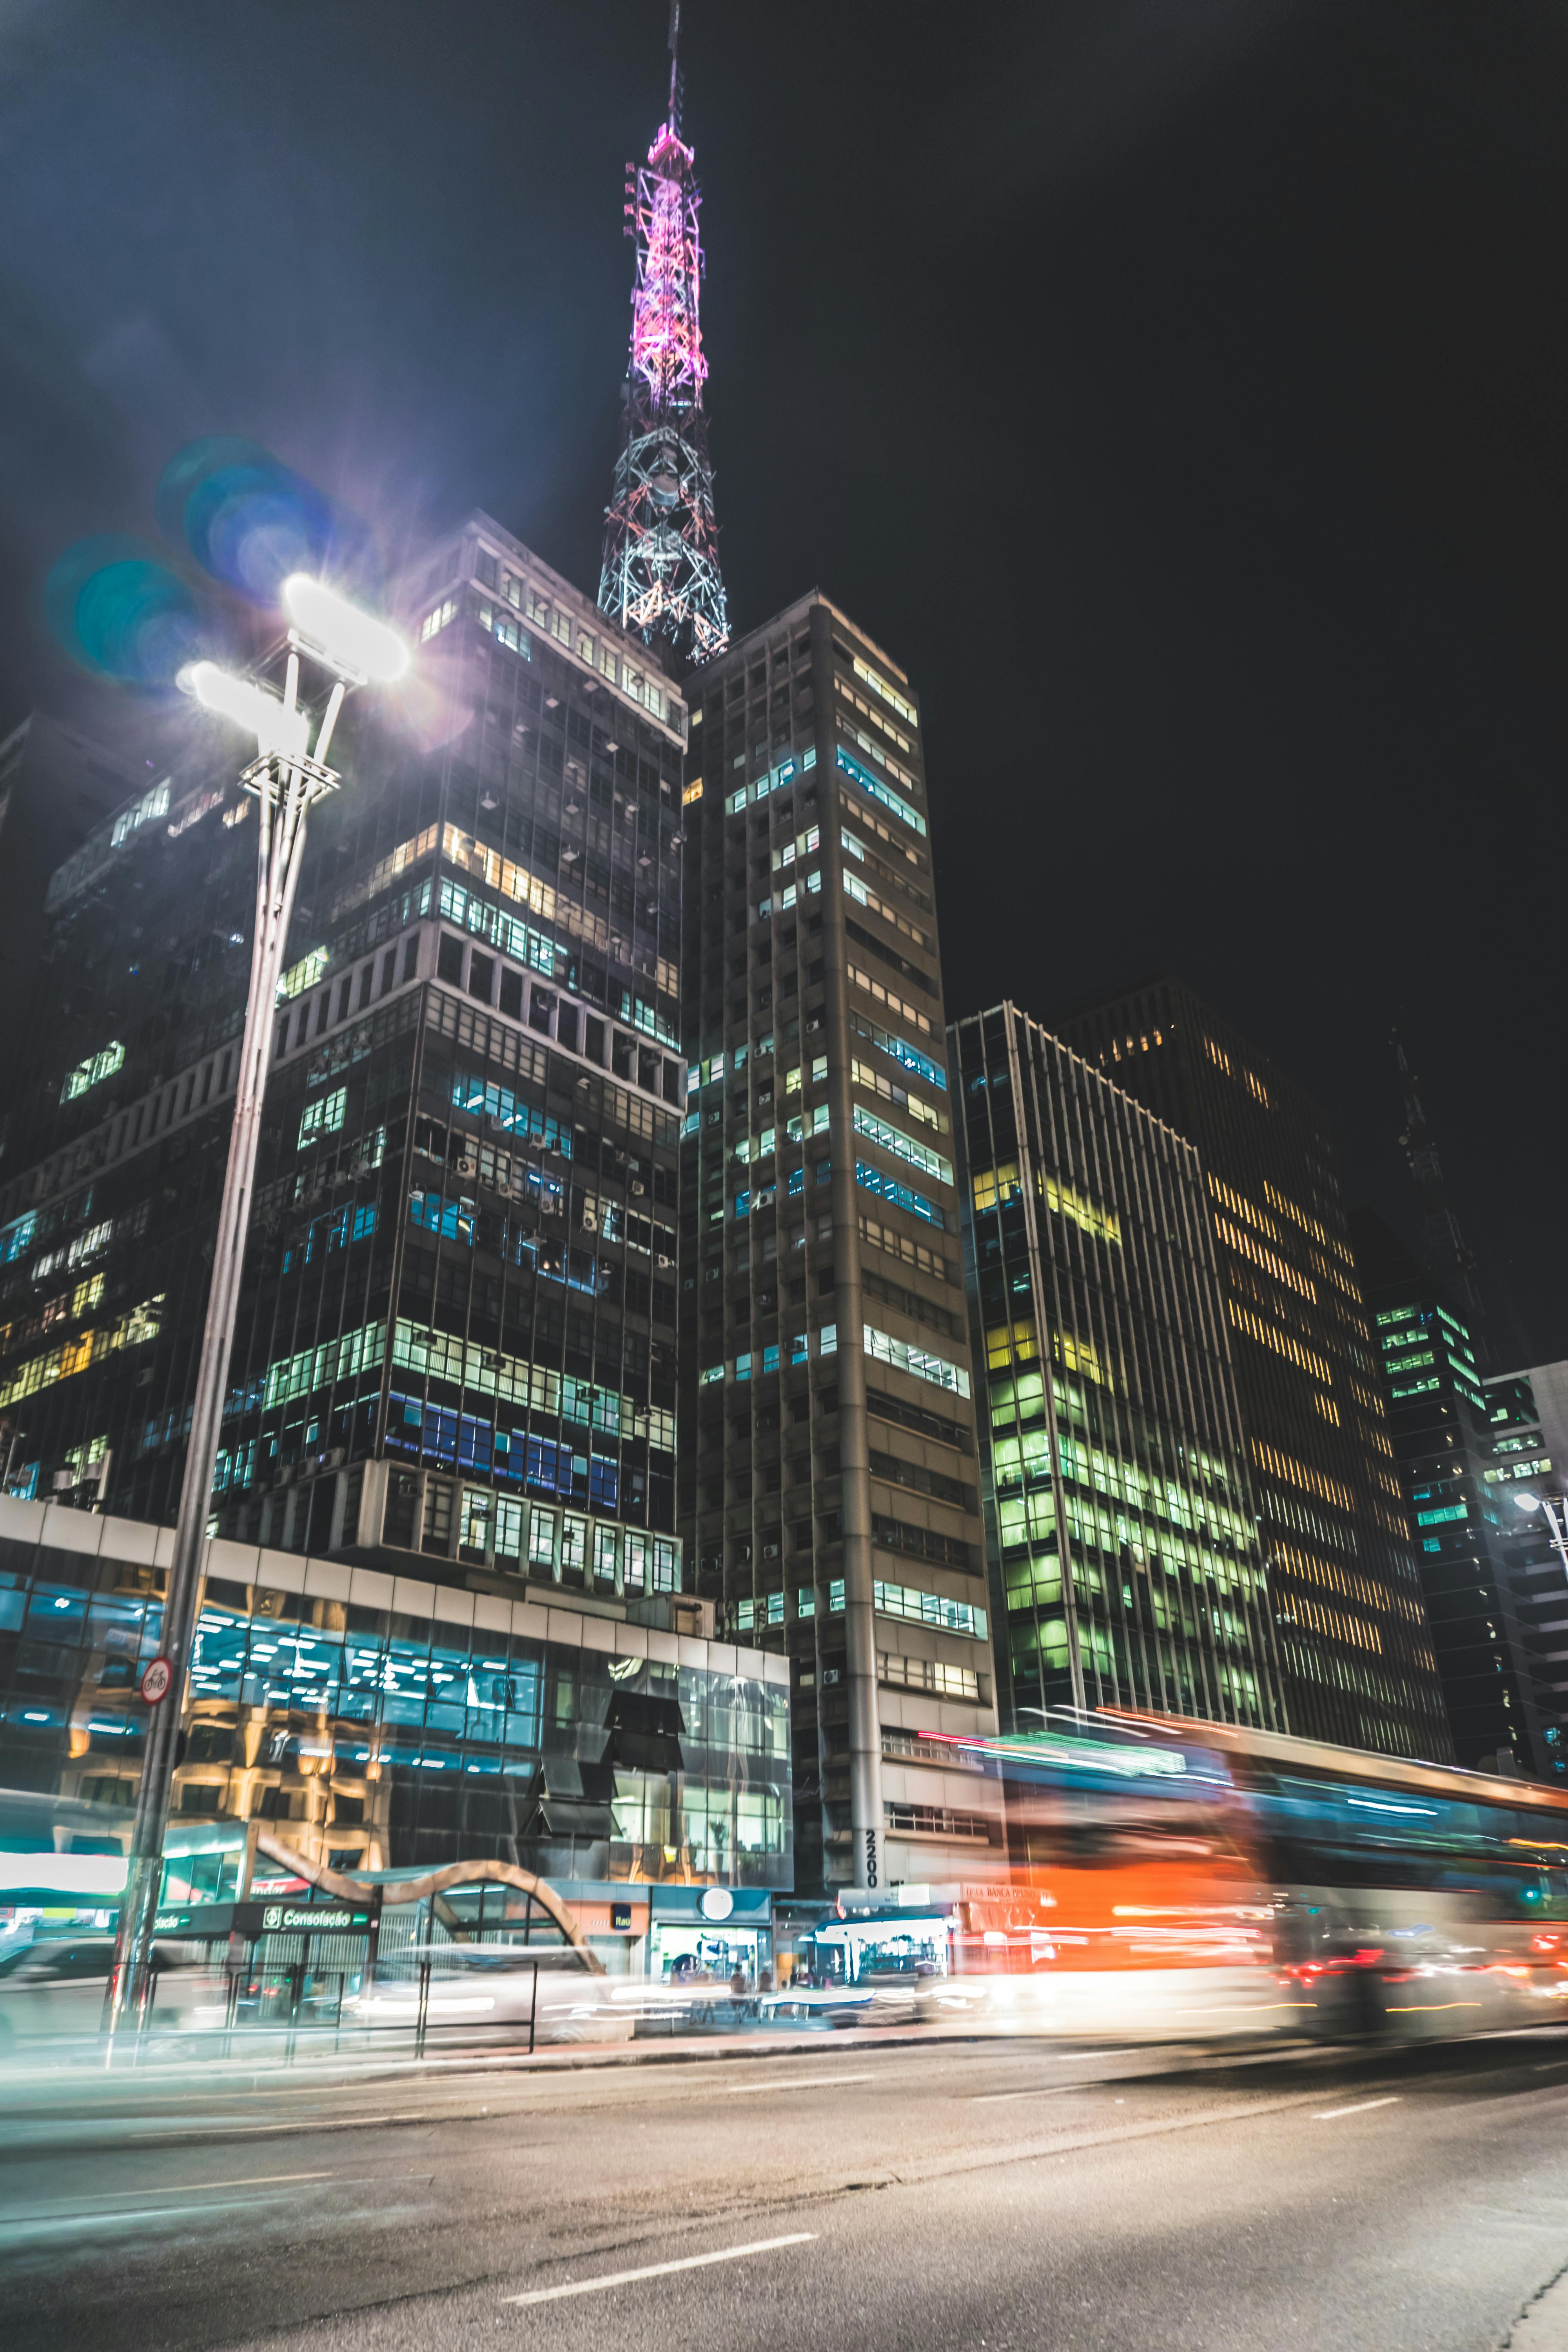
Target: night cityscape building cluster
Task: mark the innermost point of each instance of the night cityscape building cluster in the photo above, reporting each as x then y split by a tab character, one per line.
689	1379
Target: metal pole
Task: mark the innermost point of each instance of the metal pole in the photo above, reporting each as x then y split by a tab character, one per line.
296	2002
283	800
533	2009
1556	1526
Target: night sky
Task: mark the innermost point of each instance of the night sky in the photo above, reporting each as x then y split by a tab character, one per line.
1174	387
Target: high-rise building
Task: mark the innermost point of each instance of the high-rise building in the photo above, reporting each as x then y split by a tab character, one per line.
1126	1568
456	1331
1527	1413
1449	1256
1548	1389
1354	1647
828	1472
660	575
1468	1537
57	786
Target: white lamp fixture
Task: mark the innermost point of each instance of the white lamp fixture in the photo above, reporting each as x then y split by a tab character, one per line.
355	639
275	727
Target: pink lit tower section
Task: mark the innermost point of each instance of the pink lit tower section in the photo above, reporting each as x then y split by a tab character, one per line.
661	575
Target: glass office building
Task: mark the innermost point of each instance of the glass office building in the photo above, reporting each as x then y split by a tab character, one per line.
457	1332
1355	1649
454	1360
829	1489
380	1723
1458	1471
1126	1568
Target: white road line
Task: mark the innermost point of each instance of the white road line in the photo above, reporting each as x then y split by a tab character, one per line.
1549	2066
1046	2091
202	2188
661	2270
1360	2108
796	2083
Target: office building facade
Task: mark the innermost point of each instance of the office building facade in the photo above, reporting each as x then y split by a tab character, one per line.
57	787
1527	1420
1458	1470
1126	1569
828	1492
1354	1647
379	1724
457	1332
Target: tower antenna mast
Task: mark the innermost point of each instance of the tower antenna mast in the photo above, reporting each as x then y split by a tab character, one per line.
660	575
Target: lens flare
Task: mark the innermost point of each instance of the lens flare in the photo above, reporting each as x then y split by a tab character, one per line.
115	609
251	521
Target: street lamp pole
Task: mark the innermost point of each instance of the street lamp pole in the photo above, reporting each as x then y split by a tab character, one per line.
287	779
1556	1510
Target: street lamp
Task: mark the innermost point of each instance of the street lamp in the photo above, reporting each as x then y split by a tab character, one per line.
287	776
1557	1512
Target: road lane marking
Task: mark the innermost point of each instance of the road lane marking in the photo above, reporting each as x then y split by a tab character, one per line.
69	2213
1046	2091
203	2188
661	2270
1360	2108
798	2083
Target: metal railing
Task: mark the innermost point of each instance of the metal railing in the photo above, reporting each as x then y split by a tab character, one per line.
300	2005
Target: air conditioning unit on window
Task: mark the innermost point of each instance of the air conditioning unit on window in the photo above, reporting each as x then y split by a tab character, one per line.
468	1168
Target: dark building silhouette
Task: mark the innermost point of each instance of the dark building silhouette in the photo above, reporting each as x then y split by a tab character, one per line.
1467	1536
1448	1254
57	786
1355	1647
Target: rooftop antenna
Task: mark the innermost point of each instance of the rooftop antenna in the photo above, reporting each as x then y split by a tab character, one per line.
676	82
660	576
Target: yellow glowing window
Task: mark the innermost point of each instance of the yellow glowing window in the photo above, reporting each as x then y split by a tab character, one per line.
1010	1343
1077	1355
1104	1224
996	1186
693	791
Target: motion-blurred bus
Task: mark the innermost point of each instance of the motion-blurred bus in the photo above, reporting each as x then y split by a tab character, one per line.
1166	1876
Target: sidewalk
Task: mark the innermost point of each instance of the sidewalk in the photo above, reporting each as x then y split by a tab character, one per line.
84	2067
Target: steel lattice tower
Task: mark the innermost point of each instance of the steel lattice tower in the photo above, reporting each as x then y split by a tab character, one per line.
660	575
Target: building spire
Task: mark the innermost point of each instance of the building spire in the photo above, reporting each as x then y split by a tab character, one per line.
660	575
675	90
1448	1254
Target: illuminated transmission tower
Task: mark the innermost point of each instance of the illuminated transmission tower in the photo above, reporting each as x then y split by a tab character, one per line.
660	573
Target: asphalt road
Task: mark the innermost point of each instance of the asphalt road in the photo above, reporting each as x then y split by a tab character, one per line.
989	2194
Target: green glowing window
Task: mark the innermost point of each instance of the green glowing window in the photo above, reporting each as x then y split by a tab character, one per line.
90	1072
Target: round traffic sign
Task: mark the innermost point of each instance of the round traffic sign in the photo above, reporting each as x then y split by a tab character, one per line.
156	1680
